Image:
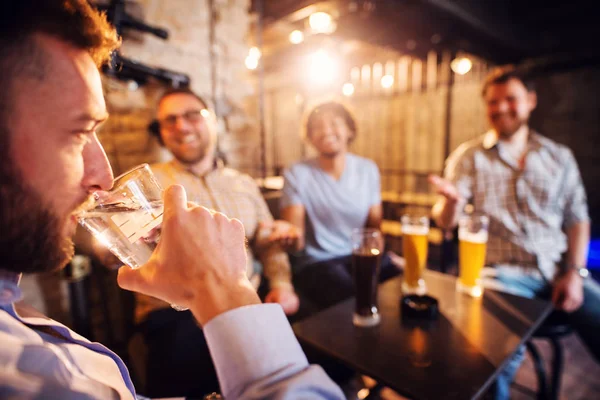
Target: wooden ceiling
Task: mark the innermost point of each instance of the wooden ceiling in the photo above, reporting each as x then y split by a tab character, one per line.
500	31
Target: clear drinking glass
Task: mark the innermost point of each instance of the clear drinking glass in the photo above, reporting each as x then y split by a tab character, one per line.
415	230
473	237
367	248
127	218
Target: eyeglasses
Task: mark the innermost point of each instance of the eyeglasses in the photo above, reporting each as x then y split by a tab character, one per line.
191	116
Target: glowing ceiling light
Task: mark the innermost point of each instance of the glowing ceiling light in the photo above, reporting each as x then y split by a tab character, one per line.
254	52
348	89
322	67
321	22
296	37
461	65
251	62
387	81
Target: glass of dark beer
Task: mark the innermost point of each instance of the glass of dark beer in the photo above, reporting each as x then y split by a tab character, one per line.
367	247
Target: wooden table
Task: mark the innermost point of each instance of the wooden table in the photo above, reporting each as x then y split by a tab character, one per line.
456	356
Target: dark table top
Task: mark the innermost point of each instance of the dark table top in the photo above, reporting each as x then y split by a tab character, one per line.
456	356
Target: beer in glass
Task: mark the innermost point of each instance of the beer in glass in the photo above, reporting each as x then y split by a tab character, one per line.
473	237
367	248
415	230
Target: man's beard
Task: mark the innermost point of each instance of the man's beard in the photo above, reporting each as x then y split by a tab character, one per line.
32	238
515	125
193	159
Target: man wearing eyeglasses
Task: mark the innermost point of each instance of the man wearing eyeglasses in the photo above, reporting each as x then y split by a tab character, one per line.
188	129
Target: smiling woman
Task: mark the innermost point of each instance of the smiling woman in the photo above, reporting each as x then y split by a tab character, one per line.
326	198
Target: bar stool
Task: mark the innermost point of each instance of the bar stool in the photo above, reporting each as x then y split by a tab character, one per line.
555	327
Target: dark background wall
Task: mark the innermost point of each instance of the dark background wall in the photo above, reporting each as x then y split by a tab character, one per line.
569	112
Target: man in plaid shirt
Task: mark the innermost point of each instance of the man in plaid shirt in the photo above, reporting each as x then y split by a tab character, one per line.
531	189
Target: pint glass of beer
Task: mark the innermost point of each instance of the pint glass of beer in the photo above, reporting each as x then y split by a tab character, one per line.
414	246
367	248
473	237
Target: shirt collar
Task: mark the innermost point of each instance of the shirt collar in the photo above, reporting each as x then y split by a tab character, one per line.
176	164
9	287
490	140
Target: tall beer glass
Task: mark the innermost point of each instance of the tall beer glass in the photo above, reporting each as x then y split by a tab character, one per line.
367	248
415	230
473	237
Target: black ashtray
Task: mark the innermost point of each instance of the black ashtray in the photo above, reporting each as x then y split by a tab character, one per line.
414	306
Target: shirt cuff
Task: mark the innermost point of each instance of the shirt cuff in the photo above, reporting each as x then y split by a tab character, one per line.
573	219
250	343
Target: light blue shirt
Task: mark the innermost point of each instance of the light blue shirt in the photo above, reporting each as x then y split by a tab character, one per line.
333	207
253	348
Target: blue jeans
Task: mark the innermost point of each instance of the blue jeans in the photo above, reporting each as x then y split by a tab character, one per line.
585	320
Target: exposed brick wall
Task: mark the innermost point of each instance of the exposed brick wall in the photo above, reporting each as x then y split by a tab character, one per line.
187	50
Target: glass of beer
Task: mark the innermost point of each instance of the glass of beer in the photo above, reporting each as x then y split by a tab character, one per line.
473	237
367	248
127	218
414	246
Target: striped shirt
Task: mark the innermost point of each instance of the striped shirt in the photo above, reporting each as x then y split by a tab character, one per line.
529	208
254	350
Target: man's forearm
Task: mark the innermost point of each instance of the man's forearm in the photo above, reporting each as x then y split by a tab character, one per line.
375	217
446	213
218	298
276	265
578	236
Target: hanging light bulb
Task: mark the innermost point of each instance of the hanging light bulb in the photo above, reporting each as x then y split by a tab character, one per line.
387	81
253	57
321	22
461	65
255	53
322	67
251	63
348	89
296	37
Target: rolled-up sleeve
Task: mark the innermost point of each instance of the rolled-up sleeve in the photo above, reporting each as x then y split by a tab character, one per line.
459	171
576	208
257	356
375	190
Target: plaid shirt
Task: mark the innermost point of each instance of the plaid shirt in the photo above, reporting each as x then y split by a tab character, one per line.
529	208
237	196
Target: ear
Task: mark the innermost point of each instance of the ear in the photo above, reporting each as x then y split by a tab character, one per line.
154	129
352	137
532	99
